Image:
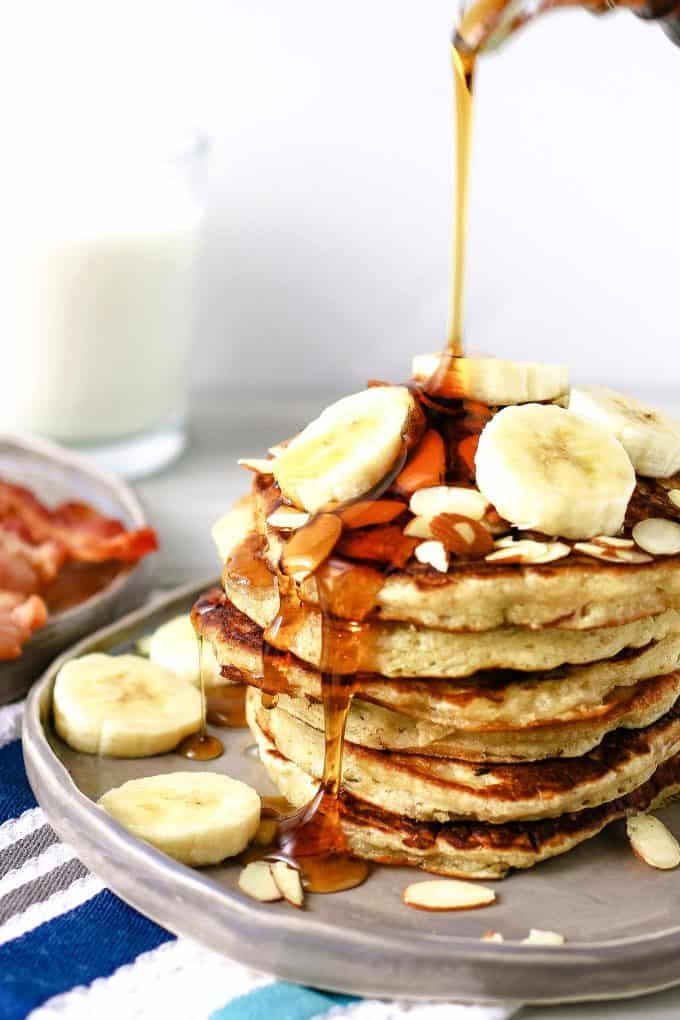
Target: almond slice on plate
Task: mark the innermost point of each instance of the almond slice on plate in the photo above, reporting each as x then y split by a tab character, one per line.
260	465
448	499
652	842
674	496
657	536
447	894
527	551
492	936
538	937
256	880
611	554
288	518
289	883
432	554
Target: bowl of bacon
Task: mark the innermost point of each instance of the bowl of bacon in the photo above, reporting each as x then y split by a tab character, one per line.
73	548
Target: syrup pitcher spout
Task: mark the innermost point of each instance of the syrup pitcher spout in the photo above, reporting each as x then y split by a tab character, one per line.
484	25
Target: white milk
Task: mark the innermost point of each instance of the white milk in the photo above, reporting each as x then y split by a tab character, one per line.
96	293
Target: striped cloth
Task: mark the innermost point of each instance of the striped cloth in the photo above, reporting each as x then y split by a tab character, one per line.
70	949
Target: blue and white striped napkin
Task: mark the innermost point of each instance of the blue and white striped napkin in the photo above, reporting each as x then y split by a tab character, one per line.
71	950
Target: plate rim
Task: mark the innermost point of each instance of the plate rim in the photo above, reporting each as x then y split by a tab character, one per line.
477	971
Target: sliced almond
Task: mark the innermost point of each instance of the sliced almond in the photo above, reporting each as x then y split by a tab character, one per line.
461	535
367	513
432	554
256	880
447	894
448	499
652	842
674	496
657	536
288	518
418	527
467	451
505	542
494	523
310	546
426	465
266	831
384	544
289	883
610	554
611	541
492	936
526	551
538	937
260	465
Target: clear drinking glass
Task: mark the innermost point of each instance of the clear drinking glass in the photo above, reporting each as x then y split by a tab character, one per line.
99	262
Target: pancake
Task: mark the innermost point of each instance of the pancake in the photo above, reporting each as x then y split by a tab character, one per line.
488	700
427	789
401	649
575	593
464	849
383	729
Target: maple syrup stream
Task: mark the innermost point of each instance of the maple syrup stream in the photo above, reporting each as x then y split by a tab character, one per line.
201	746
312	838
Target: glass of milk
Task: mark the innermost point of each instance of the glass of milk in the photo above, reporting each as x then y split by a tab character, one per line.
98	253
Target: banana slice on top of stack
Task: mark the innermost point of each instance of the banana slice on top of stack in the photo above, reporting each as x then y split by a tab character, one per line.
651	438
547	469
349	449
491	381
566	472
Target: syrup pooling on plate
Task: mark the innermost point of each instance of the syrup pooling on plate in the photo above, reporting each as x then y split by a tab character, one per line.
201	746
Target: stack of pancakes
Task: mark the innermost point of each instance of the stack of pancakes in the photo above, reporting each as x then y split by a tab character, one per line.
504	712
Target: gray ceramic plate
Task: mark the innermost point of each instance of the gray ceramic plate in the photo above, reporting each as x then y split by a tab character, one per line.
55	475
620	917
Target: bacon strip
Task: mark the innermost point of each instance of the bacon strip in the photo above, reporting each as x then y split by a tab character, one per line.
20	616
36	542
25	567
85	534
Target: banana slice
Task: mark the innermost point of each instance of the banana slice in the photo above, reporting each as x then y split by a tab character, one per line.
548	469
651	438
198	818
349	448
175	647
491	380
123	706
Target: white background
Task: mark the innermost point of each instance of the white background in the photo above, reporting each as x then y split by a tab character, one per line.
329	183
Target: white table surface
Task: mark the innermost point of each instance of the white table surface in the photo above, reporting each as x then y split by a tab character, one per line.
185	500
